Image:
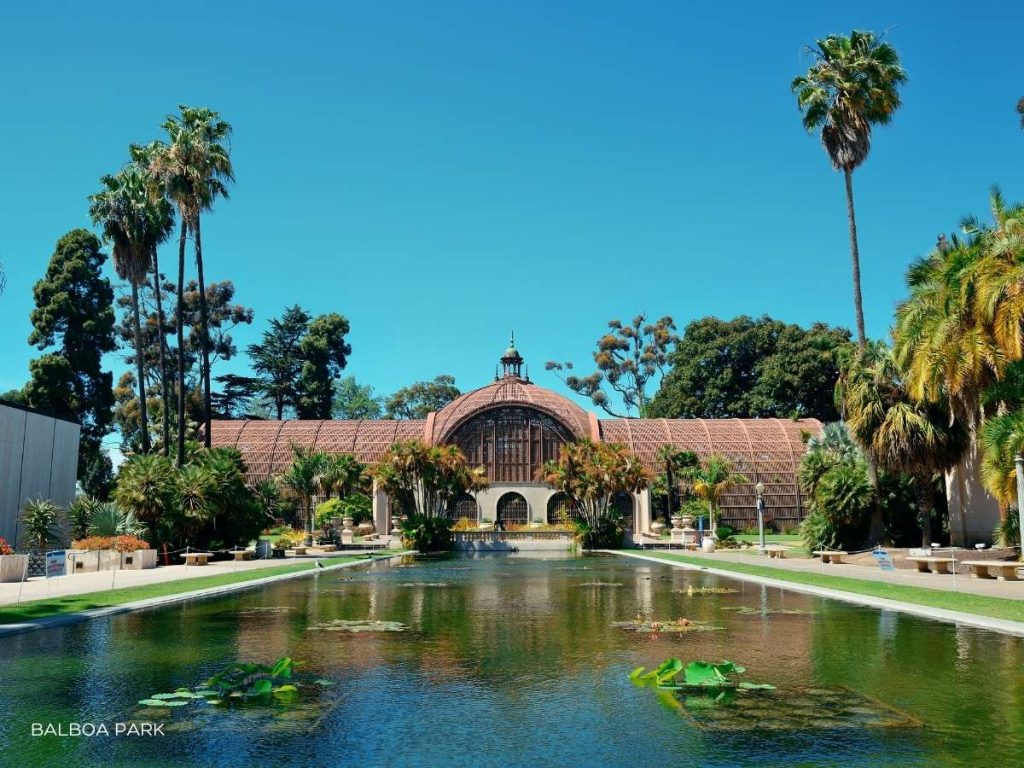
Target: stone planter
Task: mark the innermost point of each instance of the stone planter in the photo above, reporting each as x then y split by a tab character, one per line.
657	527
708	545
365	528
346	530
687	521
138	560
677	522
13	568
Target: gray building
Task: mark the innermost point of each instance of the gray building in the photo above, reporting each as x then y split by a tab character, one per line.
38	460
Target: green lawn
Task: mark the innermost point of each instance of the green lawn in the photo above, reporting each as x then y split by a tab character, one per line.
994	607
37	609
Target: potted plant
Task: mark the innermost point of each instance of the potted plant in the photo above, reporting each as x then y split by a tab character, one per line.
12	567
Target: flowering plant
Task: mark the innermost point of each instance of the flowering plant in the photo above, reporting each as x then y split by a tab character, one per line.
5	548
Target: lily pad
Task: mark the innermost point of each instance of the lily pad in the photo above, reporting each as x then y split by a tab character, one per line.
750	610
678	627
355	626
691	590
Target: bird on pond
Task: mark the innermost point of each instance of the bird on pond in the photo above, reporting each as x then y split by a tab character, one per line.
319	564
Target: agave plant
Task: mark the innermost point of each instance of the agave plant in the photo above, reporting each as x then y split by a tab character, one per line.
81	513
40	521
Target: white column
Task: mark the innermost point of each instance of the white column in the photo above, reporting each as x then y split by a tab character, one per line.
643	522
381	516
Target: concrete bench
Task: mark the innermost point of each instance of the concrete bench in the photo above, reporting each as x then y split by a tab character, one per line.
197	558
775	551
326	547
993	569
242	554
933	564
297	551
831	556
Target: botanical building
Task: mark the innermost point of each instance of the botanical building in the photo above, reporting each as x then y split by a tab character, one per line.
512	426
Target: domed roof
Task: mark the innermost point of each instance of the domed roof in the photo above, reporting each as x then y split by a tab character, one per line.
512	391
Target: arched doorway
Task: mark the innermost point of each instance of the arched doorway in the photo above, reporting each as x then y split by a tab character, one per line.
562	509
622	503
464	506
512	510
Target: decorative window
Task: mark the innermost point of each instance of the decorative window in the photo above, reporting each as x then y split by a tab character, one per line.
511	443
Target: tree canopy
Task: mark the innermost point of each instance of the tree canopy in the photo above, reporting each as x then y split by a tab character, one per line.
353	400
420	398
747	368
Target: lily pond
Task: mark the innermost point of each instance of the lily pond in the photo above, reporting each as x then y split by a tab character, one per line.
509	660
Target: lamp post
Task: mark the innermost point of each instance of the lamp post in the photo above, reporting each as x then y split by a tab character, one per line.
759	490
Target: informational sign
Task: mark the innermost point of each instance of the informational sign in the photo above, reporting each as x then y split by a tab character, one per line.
56	563
884	560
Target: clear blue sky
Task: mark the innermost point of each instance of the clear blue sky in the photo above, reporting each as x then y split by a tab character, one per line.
444	172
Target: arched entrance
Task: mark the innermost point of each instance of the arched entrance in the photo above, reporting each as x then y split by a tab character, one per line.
622	503
512	510
464	506
562	509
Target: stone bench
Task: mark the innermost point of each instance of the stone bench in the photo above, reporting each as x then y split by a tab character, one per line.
197	558
242	554
993	569
326	547
776	551
830	556
933	564
297	551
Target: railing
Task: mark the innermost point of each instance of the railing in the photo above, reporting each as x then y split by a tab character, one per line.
511	536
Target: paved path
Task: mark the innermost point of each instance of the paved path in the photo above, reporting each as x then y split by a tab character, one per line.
961	582
38	588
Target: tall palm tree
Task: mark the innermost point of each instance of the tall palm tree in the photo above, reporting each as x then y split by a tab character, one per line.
122	210
303	480
852	85
194	167
898	432
161	228
709	480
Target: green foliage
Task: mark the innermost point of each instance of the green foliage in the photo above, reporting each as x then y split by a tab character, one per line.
710	479
326	511
696	674
1007	533
239	682
298	360
426	480
606	532
74	319
40	521
751	368
355	401
146	486
358	506
419	399
426	534
628	358
108	520
81	513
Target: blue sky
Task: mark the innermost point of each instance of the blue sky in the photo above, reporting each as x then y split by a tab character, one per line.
443	172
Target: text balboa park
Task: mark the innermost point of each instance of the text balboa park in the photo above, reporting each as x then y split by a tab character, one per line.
88	730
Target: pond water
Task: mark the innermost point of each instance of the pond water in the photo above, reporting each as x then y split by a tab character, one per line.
513	660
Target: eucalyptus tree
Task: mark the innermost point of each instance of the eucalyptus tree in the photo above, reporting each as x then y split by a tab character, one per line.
193	167
852	85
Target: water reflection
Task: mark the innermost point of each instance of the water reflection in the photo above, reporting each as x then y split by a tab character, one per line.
509	660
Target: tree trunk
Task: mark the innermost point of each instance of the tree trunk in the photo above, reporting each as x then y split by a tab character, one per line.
140	368
924	508
877	529
1018	462
204	335
180	318
162	344
858	304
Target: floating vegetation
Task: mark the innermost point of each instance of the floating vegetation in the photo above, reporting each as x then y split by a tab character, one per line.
749	610
425	584
692	590
358	625
655	627
599	584
262	611
238	682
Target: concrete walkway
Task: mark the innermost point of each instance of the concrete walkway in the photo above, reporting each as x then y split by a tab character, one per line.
40	588
963	584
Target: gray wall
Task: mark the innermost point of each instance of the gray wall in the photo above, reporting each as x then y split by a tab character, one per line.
38	460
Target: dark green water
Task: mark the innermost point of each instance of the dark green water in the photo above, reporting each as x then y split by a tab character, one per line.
511	661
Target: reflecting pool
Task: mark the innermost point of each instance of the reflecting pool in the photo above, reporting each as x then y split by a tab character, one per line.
512	660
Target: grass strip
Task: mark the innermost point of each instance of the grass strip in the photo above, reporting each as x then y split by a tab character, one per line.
56	606
979	605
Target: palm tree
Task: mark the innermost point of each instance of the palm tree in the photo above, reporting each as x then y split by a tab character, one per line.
121	209
896	431
303	480
1002	462
161	226
146	486
194	167
852	85
710	479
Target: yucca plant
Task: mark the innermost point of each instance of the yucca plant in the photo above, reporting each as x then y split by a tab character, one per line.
108	520
81	513
40	519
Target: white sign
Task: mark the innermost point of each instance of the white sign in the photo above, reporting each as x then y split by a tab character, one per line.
56	563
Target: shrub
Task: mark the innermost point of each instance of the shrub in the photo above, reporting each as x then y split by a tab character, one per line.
5	548
80	514
290	539
724	532
327	511
427	534
606	534
116	543
1007	533
464	524
108	520
40	519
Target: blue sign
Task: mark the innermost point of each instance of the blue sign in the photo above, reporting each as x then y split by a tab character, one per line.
56	563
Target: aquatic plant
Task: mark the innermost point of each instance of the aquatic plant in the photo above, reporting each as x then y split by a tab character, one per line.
749	610
696	674
653	626
358	625
239	681
692	590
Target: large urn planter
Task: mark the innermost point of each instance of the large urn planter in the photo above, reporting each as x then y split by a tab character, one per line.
708	545
13	568
657	527
365	528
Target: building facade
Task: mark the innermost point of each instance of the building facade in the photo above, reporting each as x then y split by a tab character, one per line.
512	426
38	460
